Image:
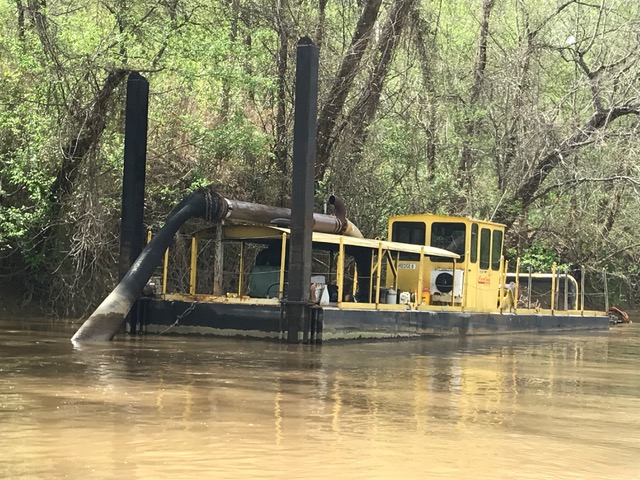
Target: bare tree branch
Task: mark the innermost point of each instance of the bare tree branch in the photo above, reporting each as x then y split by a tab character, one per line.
525	194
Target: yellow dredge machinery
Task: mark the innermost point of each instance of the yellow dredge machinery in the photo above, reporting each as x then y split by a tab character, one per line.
438	275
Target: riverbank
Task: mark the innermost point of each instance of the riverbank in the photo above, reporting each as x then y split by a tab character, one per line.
16	302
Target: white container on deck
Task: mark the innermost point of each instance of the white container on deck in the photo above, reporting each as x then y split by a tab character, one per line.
392	296
405	298
319	292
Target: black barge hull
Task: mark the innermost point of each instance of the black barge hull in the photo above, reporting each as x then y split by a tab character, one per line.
330	323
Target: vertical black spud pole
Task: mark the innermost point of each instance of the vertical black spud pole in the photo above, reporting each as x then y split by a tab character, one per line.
304	157
132	235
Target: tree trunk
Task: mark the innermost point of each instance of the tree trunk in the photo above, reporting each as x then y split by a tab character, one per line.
20	8
367	106
76	149
234	6
341	86
420	40
281	143
322	19
510	145
613	208
471	124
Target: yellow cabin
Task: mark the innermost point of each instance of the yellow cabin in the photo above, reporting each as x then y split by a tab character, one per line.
472	281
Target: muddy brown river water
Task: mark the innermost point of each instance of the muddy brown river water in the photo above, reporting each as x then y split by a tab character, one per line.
517	407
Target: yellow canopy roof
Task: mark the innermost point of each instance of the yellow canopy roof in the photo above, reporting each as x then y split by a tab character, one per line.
256	232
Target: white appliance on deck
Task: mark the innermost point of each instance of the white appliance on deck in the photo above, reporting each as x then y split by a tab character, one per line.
443	283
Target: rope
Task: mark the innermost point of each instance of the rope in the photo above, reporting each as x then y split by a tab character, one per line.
187	311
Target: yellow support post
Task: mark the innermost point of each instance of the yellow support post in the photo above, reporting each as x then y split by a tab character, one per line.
340	271
453	281
379	273
241	273
566	290
165	271
581	289
355	281
397	265
420	277
194	266
149	235
504	278
372	270
501	278
553	287
465	280
516	292
283	256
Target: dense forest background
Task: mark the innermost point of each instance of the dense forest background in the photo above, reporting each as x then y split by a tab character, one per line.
523	111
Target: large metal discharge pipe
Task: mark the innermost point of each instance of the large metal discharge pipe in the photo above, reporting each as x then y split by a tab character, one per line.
257	213
105	321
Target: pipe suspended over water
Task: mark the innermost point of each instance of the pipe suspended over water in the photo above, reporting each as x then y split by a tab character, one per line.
105	321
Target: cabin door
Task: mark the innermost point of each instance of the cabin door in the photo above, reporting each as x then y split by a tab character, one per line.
488	278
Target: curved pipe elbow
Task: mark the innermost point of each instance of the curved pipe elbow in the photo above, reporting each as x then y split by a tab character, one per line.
345	226
352	230
340	213
340	209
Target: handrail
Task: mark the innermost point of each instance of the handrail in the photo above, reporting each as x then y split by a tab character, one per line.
569	279
383	252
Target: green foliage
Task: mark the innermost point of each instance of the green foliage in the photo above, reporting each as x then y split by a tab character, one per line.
213	72
541	259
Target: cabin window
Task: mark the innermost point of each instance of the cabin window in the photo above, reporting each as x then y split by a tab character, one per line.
496	250
450	236
485	248
474	242
409	232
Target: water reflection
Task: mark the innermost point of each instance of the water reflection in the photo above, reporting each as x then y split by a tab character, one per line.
517	407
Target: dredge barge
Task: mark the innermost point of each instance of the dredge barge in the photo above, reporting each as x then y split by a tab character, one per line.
437	275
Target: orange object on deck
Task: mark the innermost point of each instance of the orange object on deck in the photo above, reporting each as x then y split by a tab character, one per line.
624	318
